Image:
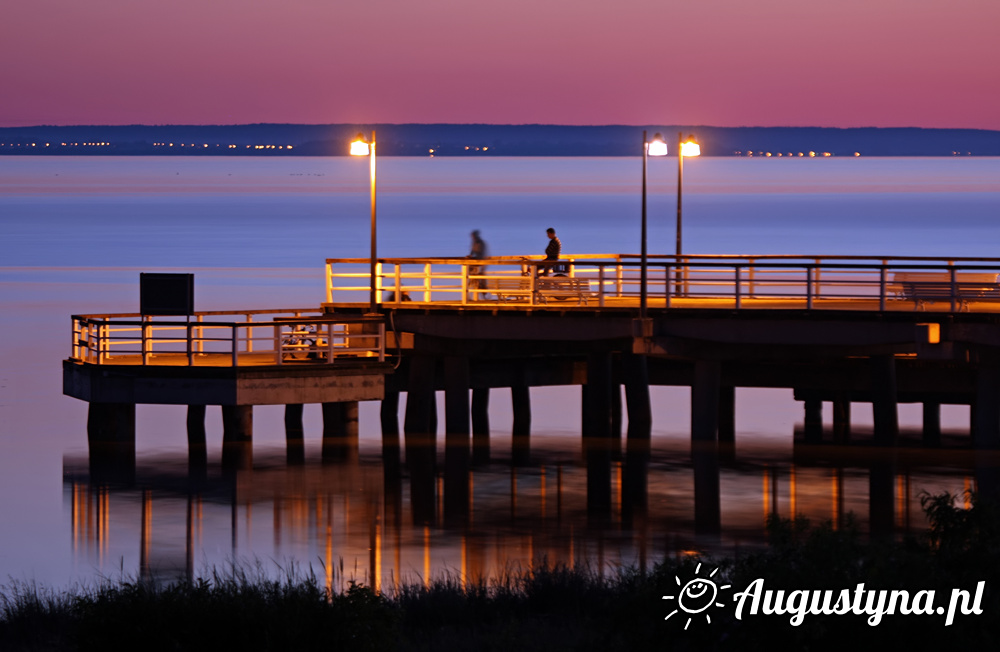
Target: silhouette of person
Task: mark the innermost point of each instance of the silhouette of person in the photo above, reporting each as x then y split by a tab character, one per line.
552	251
478	251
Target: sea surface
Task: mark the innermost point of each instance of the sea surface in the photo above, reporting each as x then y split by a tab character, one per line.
76	232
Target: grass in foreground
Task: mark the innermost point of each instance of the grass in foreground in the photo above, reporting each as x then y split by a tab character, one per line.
546	609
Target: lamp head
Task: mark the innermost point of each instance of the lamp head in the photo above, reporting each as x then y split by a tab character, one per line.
657	146
360	146
690	147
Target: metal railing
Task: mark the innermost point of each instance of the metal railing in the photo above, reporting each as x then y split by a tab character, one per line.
767	281
306	336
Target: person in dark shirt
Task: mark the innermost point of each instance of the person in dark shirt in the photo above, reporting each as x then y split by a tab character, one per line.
477	252
551	252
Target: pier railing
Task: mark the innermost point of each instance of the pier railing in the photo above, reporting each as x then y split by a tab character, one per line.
767	281
228	339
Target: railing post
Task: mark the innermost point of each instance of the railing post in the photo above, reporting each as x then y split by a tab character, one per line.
881	287
381	341
750	287
235	341
278	352
427	282
465	284
737	287
144	329
399	285
533	280
817	279
600	286
619	271
809	286
329	342
378	282
188	344
249	337
201	335
666	284
954	289
103	333
329	282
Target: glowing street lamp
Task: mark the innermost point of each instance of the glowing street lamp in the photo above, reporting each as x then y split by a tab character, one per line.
362	147
689	147
655	147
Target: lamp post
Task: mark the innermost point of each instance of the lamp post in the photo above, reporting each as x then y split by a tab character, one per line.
689	147
656	147
362	147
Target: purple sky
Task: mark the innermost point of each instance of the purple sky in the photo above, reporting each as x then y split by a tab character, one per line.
925	63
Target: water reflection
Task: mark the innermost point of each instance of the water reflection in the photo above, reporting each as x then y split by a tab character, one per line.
379	514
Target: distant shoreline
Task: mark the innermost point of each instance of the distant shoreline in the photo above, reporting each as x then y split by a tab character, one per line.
487	140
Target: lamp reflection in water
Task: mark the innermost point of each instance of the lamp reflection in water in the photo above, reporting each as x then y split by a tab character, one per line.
361	146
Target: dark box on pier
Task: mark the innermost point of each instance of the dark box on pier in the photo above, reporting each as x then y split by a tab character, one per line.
166	294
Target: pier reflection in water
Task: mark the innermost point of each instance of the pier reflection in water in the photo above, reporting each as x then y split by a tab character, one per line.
381	515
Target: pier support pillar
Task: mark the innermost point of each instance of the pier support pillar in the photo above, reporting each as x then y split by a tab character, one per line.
640	413
197	448
481	424
616	410
294	434
389	415
705	400
884	406
841	419
340	420
932	424
237	423
597	396
111	423
813	420
419	399
520	396
986	409
456	396
196	426
294	430
340	430
237	435
111	436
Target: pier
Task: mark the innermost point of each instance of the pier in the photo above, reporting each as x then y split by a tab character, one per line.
837	329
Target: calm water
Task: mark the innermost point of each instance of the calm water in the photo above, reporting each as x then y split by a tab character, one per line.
76	232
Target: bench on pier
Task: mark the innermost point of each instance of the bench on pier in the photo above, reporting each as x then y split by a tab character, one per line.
559	288
928	287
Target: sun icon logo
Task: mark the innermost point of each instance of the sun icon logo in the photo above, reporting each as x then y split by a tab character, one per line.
697	596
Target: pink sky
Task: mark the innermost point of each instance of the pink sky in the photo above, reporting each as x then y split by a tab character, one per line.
842	63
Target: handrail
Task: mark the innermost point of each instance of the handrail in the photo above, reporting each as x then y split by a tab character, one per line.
291	337
741	282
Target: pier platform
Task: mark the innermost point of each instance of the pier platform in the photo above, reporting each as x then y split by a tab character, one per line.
837	329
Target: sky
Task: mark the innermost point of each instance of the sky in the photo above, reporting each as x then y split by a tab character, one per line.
833	63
